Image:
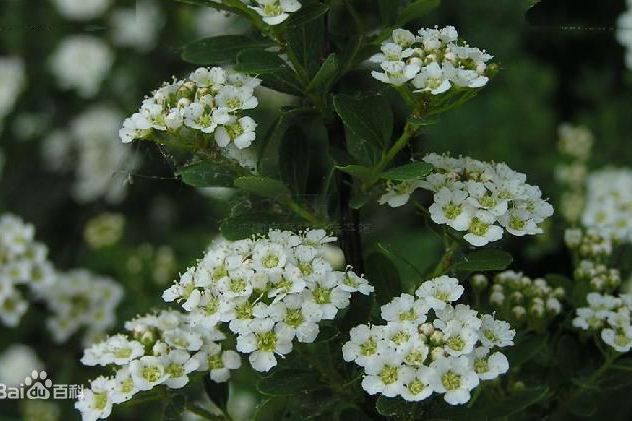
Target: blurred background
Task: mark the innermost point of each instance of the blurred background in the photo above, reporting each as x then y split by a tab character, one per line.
71	71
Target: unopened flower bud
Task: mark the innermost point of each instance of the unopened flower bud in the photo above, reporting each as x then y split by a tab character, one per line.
480	281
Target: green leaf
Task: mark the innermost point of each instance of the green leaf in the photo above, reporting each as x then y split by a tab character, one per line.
284	80
416	10
304	46
258	62
206	174
484	260
408	172
370	118
618	376
397	407
243	226
326	75
358	171
307	14
517	402
388	11
175	408
383	275
217	392
220	50
287	382
525	348
263	186
271	409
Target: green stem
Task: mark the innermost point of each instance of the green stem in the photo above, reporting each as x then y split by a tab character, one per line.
304	213
446	259
409	131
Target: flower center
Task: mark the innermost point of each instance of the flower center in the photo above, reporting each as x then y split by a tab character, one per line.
100	400
478	227
368	348
322	295
294	317
175	370
215	361
416	387
481	366
456	343
270	261
151	373
451	210
389	374
267	341
451	380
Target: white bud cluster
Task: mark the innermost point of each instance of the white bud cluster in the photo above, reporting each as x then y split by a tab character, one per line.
589	243
81	9
525	301
81	63
211	101
432	61
267	290
12	81
77	299
159	349
23	262
274	12
610	316
481	199
600	277
624	33
418	352
609	203
89	148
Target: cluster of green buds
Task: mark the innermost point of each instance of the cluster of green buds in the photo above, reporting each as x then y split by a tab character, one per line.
521	300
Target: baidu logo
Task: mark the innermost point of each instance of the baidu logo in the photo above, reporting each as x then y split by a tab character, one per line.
39	386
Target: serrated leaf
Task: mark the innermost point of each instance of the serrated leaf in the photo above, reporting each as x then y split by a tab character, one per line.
288	382
416	10
220	50
206	174
357	171
370	118
258	62
383	275
408	172
484	260
307	14
325	76
263	186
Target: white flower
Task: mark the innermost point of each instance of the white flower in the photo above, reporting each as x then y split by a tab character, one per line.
363	345
81	9
384	375
451	208
620	339
190	341
241	132
263	343
81	62
12	81
459	340
416	383
178	364
439	291
397	72
482	229
235	98
398	194
405	309
297	318
327	296
274	12
114	350
431	79
196	116
148	371
495	332
354	283
137	27
218	362
96	402
488	366
123	387
453	377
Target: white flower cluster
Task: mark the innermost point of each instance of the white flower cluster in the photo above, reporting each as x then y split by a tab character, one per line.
419	352
575	145
211	101
525	301
12	81
79	300
269	291
609	203
137	27
432	61
81	63
162	348
624	33
81	9
610	316
478	198
23	261
90	148
274	12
